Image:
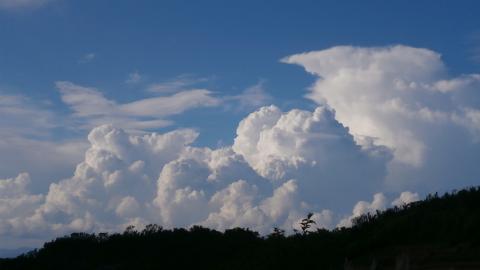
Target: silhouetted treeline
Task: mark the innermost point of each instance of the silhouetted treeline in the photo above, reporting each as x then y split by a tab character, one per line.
440	232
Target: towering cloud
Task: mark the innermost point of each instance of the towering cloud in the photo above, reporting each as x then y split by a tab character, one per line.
314	148
281	166
402	98
388	119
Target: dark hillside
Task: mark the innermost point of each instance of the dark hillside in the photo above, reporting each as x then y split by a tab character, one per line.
440	232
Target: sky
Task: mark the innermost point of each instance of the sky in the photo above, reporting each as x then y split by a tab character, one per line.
230	113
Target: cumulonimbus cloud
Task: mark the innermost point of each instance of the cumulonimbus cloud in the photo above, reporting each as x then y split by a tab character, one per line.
160	178
389	119
402	98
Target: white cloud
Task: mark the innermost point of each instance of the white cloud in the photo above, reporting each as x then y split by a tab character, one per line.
134	77
35	120
251	98
87	58
170	105
379	203
474	42
26	144
22	4
28	128
313	148
180	83
45	160
470	119
161	178
116	182
388	118
128	207
402	98
92	107
16	202
406	197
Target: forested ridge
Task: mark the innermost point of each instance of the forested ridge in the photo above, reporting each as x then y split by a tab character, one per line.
439	232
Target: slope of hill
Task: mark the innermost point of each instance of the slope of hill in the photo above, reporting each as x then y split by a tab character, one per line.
10	253
436	233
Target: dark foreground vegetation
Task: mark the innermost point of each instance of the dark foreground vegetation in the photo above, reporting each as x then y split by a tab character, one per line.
436	233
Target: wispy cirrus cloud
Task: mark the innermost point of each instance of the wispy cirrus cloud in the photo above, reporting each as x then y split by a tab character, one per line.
389	119
22	4
134	77
27	131
474	40
35	119
179	83
87	58
253	97
249	99
92	108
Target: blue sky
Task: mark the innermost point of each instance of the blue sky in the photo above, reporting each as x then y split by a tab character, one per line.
237	44
376	104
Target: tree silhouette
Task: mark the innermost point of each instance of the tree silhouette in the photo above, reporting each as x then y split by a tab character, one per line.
306	223
440	232
277	233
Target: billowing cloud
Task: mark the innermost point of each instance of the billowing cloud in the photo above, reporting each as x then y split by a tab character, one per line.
379	203
15	198
29	128
402	98
405	198
313	148
17	209
389	119
161	178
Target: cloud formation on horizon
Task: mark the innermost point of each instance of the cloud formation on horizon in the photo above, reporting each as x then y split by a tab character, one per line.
402	98
160	178
389	119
